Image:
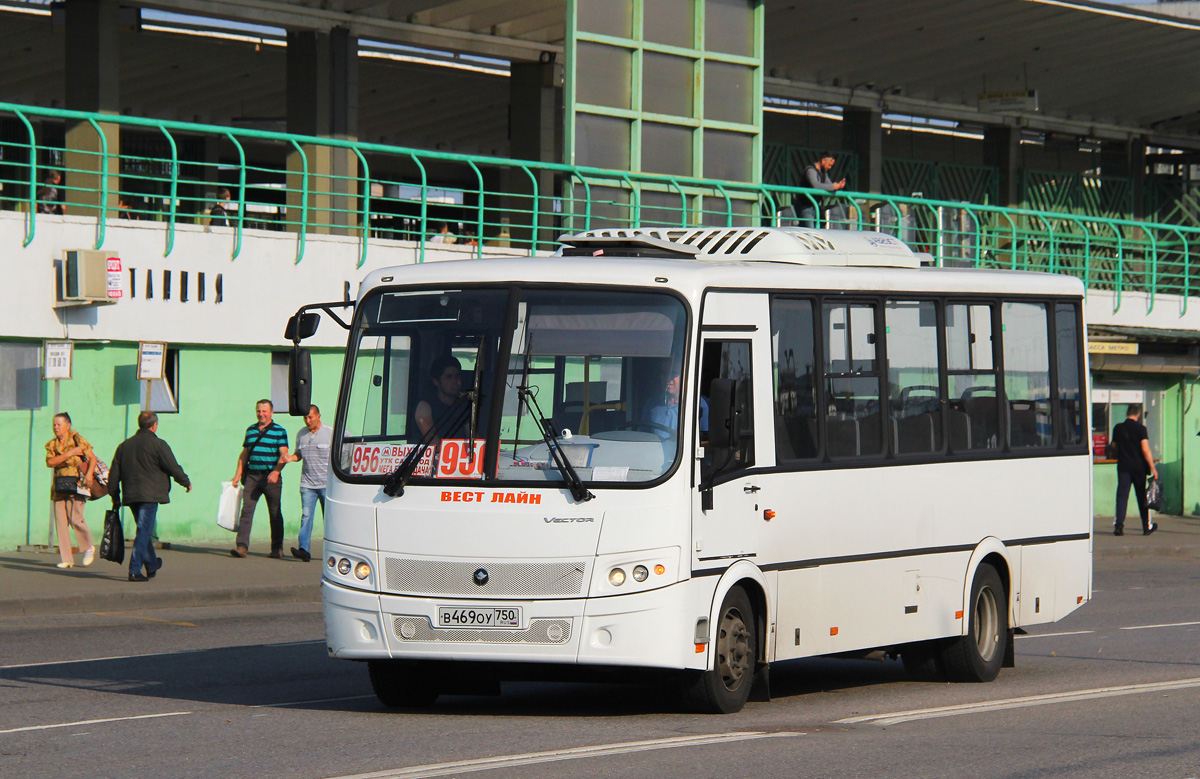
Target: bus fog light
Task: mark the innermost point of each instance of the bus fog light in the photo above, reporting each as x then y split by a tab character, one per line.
362	570
331	562
640	574
616	577
343	566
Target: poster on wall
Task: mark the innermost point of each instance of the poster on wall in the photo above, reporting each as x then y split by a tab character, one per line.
151	360
56	359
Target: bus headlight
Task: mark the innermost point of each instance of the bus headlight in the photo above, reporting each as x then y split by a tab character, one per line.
343	566
362	570
616	577
640	573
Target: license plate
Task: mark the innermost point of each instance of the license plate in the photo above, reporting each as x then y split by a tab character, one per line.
479	617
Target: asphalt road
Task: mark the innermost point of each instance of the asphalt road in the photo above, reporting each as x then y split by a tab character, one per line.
1112	691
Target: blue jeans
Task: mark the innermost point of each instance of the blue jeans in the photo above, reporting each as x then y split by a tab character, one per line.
308	502
145	514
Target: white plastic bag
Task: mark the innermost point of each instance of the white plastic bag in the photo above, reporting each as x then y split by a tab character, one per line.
229	510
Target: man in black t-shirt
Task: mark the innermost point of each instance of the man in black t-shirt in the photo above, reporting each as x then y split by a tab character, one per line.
1134	461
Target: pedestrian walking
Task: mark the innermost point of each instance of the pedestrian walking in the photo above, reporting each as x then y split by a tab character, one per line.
1134	461
313	443
140	478
264	453
73	461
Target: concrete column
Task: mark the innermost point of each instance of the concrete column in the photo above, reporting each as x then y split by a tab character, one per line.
1002	150
322	100
535	119
92	84
862	133
1127	159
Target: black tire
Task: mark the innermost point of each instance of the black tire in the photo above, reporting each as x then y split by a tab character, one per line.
401	685
978	655
725	688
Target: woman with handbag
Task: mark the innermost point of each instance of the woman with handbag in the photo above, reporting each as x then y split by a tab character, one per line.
71	457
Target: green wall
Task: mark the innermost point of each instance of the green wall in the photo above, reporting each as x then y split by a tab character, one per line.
217	390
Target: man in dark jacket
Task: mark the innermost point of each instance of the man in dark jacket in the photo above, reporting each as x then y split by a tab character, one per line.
140	478
1134	461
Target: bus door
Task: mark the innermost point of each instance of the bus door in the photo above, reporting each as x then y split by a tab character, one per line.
730	502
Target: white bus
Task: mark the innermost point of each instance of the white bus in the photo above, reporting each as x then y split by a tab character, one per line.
702	451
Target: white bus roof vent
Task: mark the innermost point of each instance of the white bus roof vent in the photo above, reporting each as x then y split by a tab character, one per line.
765	244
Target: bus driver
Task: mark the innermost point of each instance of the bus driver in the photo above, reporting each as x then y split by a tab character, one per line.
446	375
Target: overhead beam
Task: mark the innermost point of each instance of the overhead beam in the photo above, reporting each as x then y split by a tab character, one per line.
290	16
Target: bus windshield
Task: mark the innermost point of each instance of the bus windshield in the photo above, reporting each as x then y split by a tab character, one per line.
594	374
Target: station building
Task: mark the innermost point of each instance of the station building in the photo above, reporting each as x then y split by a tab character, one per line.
190	172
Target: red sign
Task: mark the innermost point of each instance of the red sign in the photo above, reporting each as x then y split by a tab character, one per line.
1099	444
114	277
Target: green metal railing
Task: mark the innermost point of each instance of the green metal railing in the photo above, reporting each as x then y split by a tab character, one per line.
384	194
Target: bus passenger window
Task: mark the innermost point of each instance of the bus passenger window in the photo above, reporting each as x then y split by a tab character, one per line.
794	374
1027	374
852	415
914	393
974	417
1070	398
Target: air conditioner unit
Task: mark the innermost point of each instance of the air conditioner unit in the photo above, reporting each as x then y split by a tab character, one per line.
83	278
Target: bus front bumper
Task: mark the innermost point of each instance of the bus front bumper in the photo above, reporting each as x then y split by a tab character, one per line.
650	629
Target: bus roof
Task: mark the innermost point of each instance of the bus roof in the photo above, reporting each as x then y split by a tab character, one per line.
691	272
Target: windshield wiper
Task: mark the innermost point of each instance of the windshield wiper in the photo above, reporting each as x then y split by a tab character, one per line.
550	436
473	396
394	486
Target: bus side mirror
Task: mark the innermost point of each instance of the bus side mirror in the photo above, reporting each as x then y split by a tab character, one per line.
299	381
301	326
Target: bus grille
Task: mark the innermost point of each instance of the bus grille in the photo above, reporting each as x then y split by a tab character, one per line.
540	631
456	578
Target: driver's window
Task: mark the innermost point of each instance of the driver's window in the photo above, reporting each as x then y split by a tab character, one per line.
731	360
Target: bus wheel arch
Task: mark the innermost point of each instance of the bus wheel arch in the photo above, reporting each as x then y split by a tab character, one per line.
736	647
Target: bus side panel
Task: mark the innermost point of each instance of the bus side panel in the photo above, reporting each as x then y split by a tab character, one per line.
1054	581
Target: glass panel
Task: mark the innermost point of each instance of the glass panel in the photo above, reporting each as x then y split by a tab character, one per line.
606	17
730	360
729	26
667	84
973	421
1027	374
666	148
914	393
602	142
1070	400
849	338
669	22
853	424
969	338
609	364
414	375
603	75
728	92
728	156
792	346
662	208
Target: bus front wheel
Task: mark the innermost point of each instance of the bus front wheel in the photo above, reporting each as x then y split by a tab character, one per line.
725	688
978	655
401	685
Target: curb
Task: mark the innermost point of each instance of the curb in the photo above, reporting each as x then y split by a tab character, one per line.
177	598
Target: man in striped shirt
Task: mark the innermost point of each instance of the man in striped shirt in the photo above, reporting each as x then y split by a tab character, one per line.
264	453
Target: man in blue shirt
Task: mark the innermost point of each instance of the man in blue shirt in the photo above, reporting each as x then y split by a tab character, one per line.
666	416
264	453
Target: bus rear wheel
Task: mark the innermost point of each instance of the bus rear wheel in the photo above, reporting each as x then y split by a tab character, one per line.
725	688
401	685
978	655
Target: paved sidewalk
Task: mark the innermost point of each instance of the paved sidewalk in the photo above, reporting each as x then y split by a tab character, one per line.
208	576
30	584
